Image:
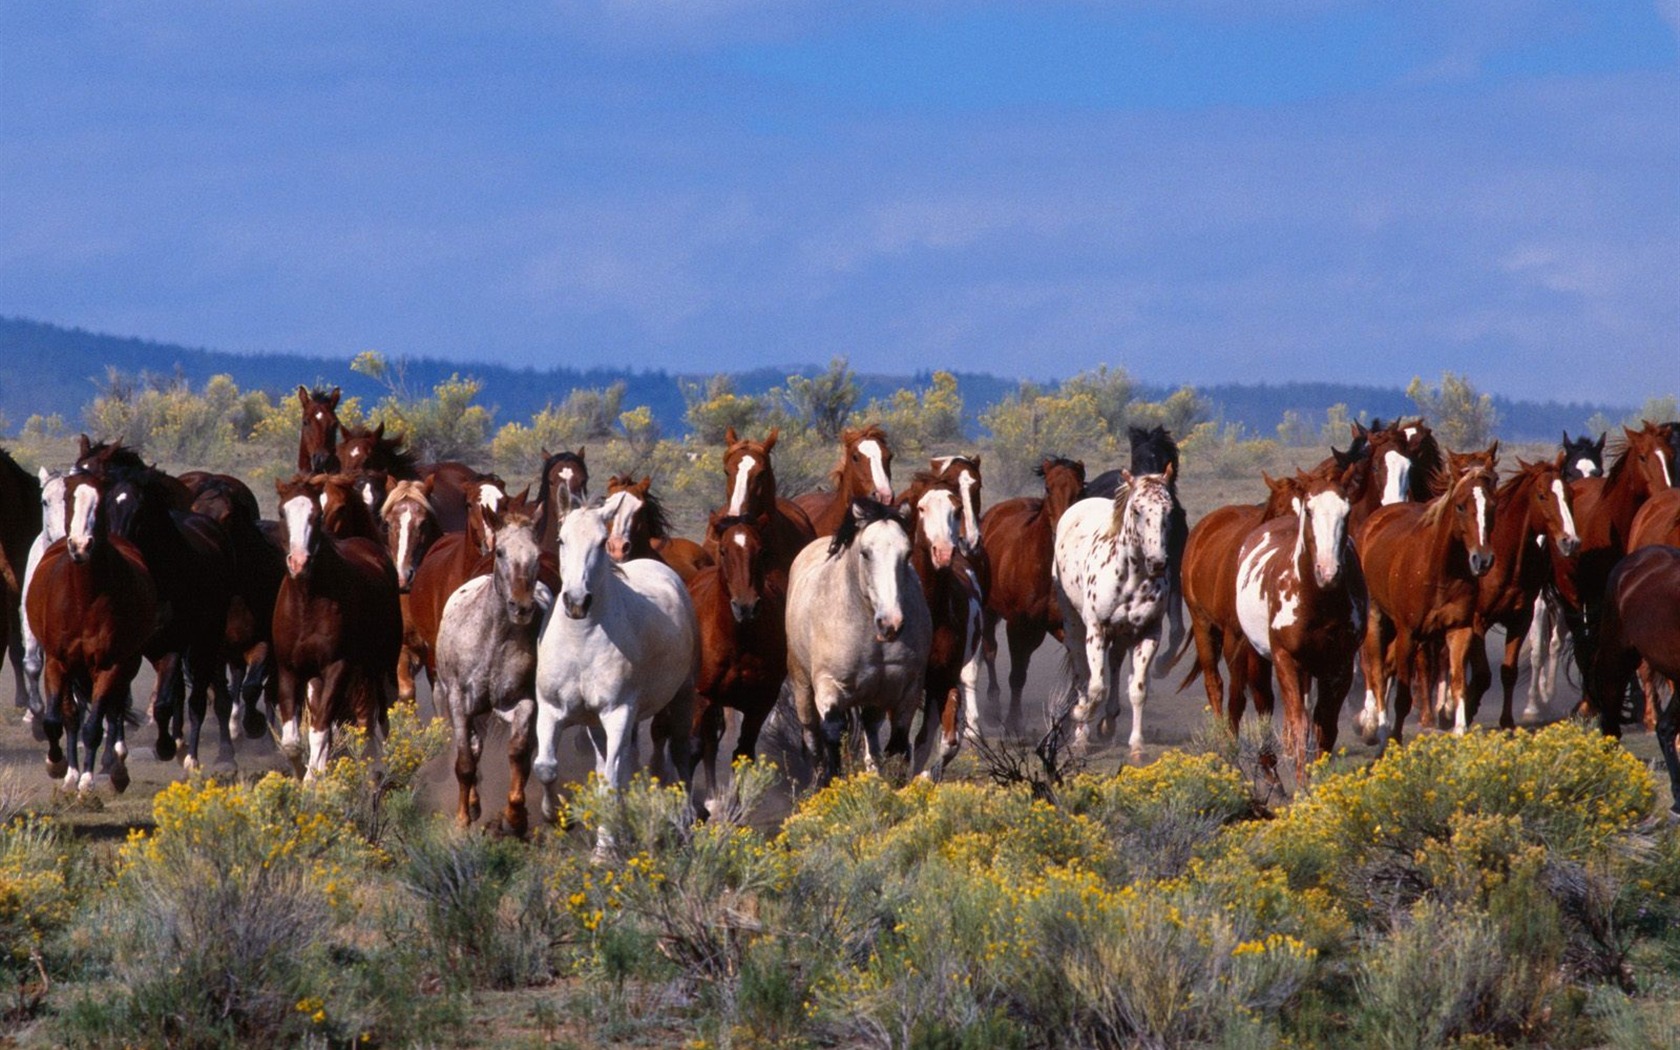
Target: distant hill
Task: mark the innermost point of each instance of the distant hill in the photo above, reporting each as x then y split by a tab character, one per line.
46	368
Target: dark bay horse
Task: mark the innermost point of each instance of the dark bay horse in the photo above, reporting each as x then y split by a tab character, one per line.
1422	563
1641	622
641	529
20	523
92	605
318	437
740	606
370	450
864	472
1301	602
1019	537
750	480
562	486
337	621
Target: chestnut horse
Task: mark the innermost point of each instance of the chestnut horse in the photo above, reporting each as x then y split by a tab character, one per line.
751	493
1582	458
337	621
487	662
562	486
1641	623
1532	516
740	604
92	606
864	472
410	526
318	437
370	450
641	529
1301	601
1422	563
1019	538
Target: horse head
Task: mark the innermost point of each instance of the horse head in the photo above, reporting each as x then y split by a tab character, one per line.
1471	502
865	464
372	486
517	561
411	525
318	439
748	473
344	513
86	523
1391	463
1142	509
300	520
1322	507
564	483
621	509
1649	454
584	562
740	549
964	473
1064	483
1153	449
53	504
937	519
1552	501
878	534
1582	457
1281	495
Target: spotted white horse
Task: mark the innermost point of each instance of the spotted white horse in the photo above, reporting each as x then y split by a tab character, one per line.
1110	579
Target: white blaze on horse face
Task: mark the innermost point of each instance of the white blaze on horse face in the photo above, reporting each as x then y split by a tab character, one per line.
741	540
871	450
405	533
1562	496
1586	468
738	495
1327	512
298	516
1482	529
1399	470
888	548
620	510
80	528
1662	461
490	497
936	516
971	524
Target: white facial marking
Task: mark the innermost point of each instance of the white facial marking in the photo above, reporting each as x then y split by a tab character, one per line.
1410	432
405	529
937	514
319	414
121	498
1399	473
1329	511
1563	508
971	527
81	518
738	496
1481	517
1662	460
1586	468
296	514
871	450
489	496
355	453
741	540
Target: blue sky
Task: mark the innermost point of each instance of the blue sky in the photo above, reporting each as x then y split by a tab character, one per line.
1204	191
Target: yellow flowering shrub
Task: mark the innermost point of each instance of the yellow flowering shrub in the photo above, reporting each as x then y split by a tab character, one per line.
37	897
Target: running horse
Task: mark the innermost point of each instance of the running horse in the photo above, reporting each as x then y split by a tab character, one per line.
750	480
562	487
1019	538
453	559
364	450
1641	624
641	529
410	526
318	436
92	605
337	621
864	472
1153	451
1422	566
1582	458
1301	602
20	523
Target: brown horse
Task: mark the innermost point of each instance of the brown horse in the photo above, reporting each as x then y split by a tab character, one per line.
20	523
751	493
864	472
92	605
370	450
957	607
318	437
1422	566
1019	537
337	621
410	526
1532	515
1301	602
1641	623
562	485
740	605
645	531
259	568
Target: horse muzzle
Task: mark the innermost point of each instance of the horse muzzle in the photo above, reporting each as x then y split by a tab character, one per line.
617	549
942	555
78	552
887	628
521	613
1481	560
297	565
1568	545
577	608
1327	573
744	612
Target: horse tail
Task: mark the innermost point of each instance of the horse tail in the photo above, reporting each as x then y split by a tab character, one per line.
1172	660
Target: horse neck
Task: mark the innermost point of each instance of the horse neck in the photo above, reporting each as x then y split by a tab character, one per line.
1624	492
1515	527
1442	533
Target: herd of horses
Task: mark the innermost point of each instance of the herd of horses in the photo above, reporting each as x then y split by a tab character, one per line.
854	607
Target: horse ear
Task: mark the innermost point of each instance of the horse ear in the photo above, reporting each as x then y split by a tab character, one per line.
1170	473
426	486
729	437
580	451
41	473
279	487
647	483
975	459
1493	451
492	520
770	442
303	395
1562	457
85	446
1125	475
332	399
546	454
1602	437
379	432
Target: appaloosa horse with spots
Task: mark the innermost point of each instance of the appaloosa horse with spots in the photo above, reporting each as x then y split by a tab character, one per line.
1019	538
864	472
1153	451
1301	602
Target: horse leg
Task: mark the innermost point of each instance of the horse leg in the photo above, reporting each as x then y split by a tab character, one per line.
678	717
1459	645
166	667
546	766
1024	639
259	668
323	697
1333	684
1143	653
475	751
1542	658
1649	686
1209	642
15	649
1668	724
466	756
833	727
286	685
237	672
1292	681
1371	657
57	685
522	741
115	764
988	653
34	661
1508	677
92	730
1403	656
1479	676
871	719
617	740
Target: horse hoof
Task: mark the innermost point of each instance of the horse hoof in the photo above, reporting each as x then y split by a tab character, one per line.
190	764
254	724
165	748
83	783
57	769
119	779
474	812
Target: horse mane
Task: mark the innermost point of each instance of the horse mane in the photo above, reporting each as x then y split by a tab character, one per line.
863	513
405	490
402	459
112	454
1152	449
1055	461
654	513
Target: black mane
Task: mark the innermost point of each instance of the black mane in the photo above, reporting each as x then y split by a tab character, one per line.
865	512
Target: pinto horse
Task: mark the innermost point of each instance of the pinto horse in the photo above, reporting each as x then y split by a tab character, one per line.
92	605
740	606
337	621
751	493
1532	516
318	437
487	663
641	529
864	472
1019	538
1422	563
562	486
1641	623
1301	601
1110	579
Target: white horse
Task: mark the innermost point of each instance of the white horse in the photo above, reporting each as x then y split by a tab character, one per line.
1110	578
487	662
52	530
858	634
623	647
